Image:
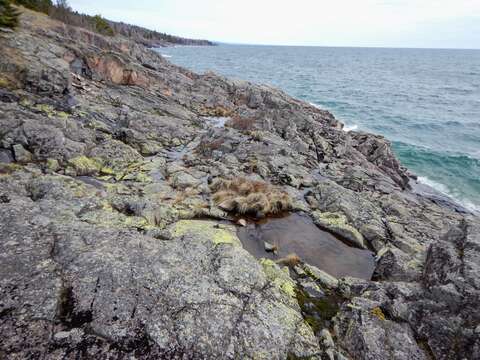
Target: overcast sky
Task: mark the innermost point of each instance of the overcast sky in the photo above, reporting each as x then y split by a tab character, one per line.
384	23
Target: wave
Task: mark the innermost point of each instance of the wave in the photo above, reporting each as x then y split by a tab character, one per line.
348	128
166	56
455	175
433	184
446	192
456	90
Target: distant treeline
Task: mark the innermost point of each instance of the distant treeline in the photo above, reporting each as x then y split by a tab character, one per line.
62	11
152	38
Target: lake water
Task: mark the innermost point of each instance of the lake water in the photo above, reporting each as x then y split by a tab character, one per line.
427	102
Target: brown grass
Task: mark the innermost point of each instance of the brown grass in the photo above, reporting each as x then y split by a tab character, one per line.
290	260
240	123
181	196
217	111
244	196
206	147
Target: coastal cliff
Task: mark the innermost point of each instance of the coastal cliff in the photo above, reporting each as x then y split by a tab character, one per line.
127	185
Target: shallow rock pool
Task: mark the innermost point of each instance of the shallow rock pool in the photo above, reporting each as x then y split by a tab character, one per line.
298	234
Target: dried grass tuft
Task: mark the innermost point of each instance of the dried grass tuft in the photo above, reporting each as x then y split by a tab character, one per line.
250	197
290	260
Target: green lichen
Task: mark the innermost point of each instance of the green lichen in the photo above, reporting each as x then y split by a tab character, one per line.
279	277
107	171
138	222
320	276
85	166
338	223
288	288
150	148
140	177
378	313
6	169
143	178
50	111
52	164
116	189
93	124
25	102
106	216
135	171
206	229
4	83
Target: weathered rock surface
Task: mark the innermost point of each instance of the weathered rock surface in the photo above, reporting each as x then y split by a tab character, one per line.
106	154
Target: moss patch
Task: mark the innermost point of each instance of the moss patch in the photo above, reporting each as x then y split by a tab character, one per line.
317	312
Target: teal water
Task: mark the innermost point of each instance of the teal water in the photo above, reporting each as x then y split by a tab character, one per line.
427	102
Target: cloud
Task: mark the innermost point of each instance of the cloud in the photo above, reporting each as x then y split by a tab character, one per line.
305	22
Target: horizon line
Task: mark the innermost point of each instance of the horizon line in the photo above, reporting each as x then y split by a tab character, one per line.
342	46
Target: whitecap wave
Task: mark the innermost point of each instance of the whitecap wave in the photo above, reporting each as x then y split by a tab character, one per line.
166	56
445	191
433	184
348	128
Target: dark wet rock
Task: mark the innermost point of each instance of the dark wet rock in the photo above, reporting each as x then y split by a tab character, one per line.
105	165
6	156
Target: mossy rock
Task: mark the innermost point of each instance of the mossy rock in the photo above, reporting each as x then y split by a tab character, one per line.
378	313
337	224
326	280
6	169
210	230
52	164
50	111
280	277
85	166
317	312
4	83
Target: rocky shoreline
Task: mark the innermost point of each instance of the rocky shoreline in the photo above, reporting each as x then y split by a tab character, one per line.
116	243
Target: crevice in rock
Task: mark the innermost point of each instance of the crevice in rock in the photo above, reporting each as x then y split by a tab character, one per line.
319	155
6	312
95	291
318	311
460	245
427	350
66	312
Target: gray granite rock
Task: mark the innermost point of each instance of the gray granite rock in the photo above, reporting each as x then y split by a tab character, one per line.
103	255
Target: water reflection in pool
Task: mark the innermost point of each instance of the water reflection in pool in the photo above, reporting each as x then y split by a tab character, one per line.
298	234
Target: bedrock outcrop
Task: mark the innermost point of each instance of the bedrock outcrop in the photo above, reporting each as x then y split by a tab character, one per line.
112	247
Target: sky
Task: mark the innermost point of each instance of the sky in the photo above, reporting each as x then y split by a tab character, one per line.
365	23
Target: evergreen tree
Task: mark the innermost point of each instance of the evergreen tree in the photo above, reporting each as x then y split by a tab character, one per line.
102	26
37	5
8	15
